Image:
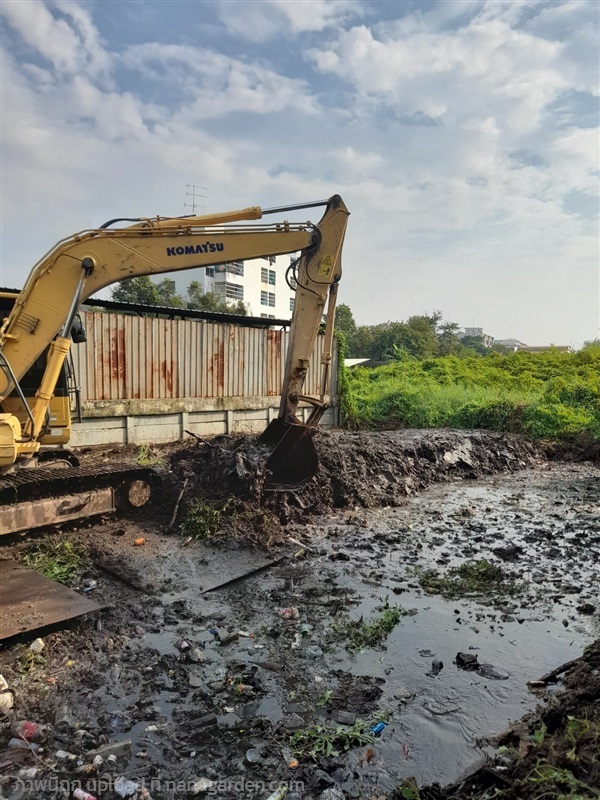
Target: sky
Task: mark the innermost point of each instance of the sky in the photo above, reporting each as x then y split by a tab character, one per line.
462	136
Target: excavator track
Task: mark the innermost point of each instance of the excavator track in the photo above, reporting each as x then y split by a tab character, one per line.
40	496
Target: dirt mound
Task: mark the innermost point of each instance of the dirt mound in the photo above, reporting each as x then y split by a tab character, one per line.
356	469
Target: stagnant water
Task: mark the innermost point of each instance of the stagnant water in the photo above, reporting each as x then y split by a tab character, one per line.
542	526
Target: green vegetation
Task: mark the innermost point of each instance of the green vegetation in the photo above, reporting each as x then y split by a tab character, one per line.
544	395
479	576
147	458
144	291
357	634
324	741
57	558
201	521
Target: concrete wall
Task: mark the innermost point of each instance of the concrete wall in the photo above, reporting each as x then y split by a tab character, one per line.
113	423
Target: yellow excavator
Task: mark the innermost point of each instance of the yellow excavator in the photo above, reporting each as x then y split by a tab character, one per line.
36	335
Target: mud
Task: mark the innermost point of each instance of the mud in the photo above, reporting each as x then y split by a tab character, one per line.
164	667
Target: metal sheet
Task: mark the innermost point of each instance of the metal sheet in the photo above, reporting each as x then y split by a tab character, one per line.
29	601
142	358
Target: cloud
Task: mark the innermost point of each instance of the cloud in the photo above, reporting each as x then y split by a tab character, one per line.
260	21
462	137
215	84
70	48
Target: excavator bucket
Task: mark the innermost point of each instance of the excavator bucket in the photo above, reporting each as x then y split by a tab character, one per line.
293	460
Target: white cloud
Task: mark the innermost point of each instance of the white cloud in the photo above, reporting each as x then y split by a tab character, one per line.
218	84
438	129
260	21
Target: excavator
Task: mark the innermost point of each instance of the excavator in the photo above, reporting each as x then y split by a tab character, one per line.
42	322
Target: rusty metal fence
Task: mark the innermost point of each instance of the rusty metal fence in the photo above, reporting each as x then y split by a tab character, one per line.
128	358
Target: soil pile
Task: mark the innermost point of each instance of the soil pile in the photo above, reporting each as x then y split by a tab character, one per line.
356	469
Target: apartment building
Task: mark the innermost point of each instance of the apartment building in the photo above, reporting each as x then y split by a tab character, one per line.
486	339
259	282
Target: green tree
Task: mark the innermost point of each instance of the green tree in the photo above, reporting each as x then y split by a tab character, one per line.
167	294
344	321
136	290
210	301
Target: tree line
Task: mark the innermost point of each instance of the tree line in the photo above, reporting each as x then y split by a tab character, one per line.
143	291
421	336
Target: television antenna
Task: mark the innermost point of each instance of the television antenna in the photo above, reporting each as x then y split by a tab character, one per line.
193	192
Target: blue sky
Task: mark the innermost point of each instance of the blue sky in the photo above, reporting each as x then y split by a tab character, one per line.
463	137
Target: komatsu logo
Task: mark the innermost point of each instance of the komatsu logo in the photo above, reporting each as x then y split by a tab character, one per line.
190	249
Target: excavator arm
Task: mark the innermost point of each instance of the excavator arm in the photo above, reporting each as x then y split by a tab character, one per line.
81	265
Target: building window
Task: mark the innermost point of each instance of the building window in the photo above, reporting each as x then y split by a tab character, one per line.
268	276
210	272
267	299
234	291
268	316
292	303
293	282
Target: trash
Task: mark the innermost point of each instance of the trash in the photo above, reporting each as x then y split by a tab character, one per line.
30	731
253	756
29	773
64	755
137	543
297	641
294	763
278	794
7	700
289	613
19	744
112	749
305	628
152	728
436	667
377	729
89	585
467	661
214	632
183	645
125	788
98	761
80	794
37	646
3	684
187	541
202	786
246	634
196	655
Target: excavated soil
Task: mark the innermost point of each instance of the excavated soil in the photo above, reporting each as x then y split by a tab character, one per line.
210	659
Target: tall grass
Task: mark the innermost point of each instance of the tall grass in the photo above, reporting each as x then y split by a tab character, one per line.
545	395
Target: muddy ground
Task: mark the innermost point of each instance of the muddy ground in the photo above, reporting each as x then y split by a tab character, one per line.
356	596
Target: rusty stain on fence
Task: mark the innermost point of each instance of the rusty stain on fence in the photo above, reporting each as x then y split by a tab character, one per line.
129	357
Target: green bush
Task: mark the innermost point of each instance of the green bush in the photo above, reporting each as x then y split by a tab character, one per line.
545	395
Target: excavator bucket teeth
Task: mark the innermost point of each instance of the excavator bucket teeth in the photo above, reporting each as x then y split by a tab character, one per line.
294	459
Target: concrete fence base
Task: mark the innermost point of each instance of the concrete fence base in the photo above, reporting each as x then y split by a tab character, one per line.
110	423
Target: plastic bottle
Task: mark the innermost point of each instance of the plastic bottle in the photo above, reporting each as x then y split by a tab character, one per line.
377	729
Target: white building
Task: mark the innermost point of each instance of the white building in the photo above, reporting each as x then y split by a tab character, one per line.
259	282
486	339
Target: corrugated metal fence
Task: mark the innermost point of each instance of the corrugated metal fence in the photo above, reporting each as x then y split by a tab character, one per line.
141	358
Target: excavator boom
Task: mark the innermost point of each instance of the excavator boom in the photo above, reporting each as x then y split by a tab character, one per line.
43	313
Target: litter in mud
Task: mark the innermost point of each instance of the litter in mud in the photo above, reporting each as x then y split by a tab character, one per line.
191	709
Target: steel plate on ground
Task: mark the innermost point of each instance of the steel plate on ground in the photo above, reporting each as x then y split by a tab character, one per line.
29	601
